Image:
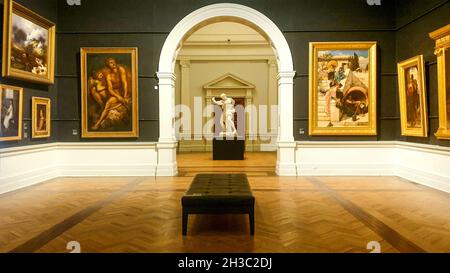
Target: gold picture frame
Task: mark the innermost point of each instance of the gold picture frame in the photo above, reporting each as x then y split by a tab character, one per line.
11	100
41	117
442	38
413	98
109	92
343	88
28	45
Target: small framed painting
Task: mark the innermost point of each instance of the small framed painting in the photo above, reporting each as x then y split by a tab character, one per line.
41	119
343	88
28	45
10	113
413	99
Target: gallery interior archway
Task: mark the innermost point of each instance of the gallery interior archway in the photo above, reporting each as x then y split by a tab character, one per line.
167	143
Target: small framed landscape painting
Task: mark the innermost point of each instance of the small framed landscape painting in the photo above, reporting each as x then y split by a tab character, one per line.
413	99
343	88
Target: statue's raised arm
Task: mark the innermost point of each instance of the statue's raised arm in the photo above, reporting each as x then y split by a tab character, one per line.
220	103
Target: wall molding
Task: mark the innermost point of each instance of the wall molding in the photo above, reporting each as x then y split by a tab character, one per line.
28	165
420	163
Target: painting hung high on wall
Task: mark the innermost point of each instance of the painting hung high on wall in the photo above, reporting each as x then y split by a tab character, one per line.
343	88
10	113
442	38
413	102
109	83
41	113
28	45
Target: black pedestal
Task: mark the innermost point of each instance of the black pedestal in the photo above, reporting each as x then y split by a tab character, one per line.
228	149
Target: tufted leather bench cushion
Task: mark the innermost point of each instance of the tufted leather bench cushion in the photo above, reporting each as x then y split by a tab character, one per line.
219	189
219	194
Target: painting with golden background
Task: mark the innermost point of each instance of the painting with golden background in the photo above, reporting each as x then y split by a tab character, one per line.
109	84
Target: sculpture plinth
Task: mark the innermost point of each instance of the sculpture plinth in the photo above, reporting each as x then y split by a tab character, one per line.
228	149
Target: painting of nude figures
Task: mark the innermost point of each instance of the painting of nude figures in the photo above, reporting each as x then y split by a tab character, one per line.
10	113
343	88
109	86
28	45
412	94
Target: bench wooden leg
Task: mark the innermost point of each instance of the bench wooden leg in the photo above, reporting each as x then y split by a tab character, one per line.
185	222
251	216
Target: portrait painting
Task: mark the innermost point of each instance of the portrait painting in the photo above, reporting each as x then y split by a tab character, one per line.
28	45
412	94
10	113
41	117
109	92
442	51
342	88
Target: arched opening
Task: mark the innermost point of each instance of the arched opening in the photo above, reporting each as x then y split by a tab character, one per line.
167	164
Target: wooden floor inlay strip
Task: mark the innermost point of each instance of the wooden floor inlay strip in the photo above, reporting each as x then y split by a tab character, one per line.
45	237
390	235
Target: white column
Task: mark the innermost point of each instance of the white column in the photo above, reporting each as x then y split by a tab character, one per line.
286	145
185	92
167	143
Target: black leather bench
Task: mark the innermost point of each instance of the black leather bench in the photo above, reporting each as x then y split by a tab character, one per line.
219	194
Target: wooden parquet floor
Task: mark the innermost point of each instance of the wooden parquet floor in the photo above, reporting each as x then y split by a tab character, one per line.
304	214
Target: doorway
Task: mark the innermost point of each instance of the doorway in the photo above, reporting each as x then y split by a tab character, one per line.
167	145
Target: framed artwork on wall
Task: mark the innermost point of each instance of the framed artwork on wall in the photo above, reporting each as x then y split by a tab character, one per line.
10	112
442	38
41	117
109	92
413	98
343	88
28	45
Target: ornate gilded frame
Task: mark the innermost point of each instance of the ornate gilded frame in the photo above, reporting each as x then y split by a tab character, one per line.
314	47
15	88
402	67
442	38
11	7
133	51
35	102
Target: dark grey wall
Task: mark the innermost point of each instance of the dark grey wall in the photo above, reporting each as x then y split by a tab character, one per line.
415	20
146	24
400	28
47	9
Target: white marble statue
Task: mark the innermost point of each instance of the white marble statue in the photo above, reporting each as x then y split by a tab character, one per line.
227	118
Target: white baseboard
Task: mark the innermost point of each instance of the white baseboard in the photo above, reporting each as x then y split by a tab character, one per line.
424	164
25	166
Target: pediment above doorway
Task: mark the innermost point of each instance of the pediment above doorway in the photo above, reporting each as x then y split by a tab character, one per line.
228	81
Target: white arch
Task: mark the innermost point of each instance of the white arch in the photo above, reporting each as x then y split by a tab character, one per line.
167	142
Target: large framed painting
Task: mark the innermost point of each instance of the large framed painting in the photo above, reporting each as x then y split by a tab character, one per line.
10	113
28	45
41	117
442	38
342	88
109	92
413	99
